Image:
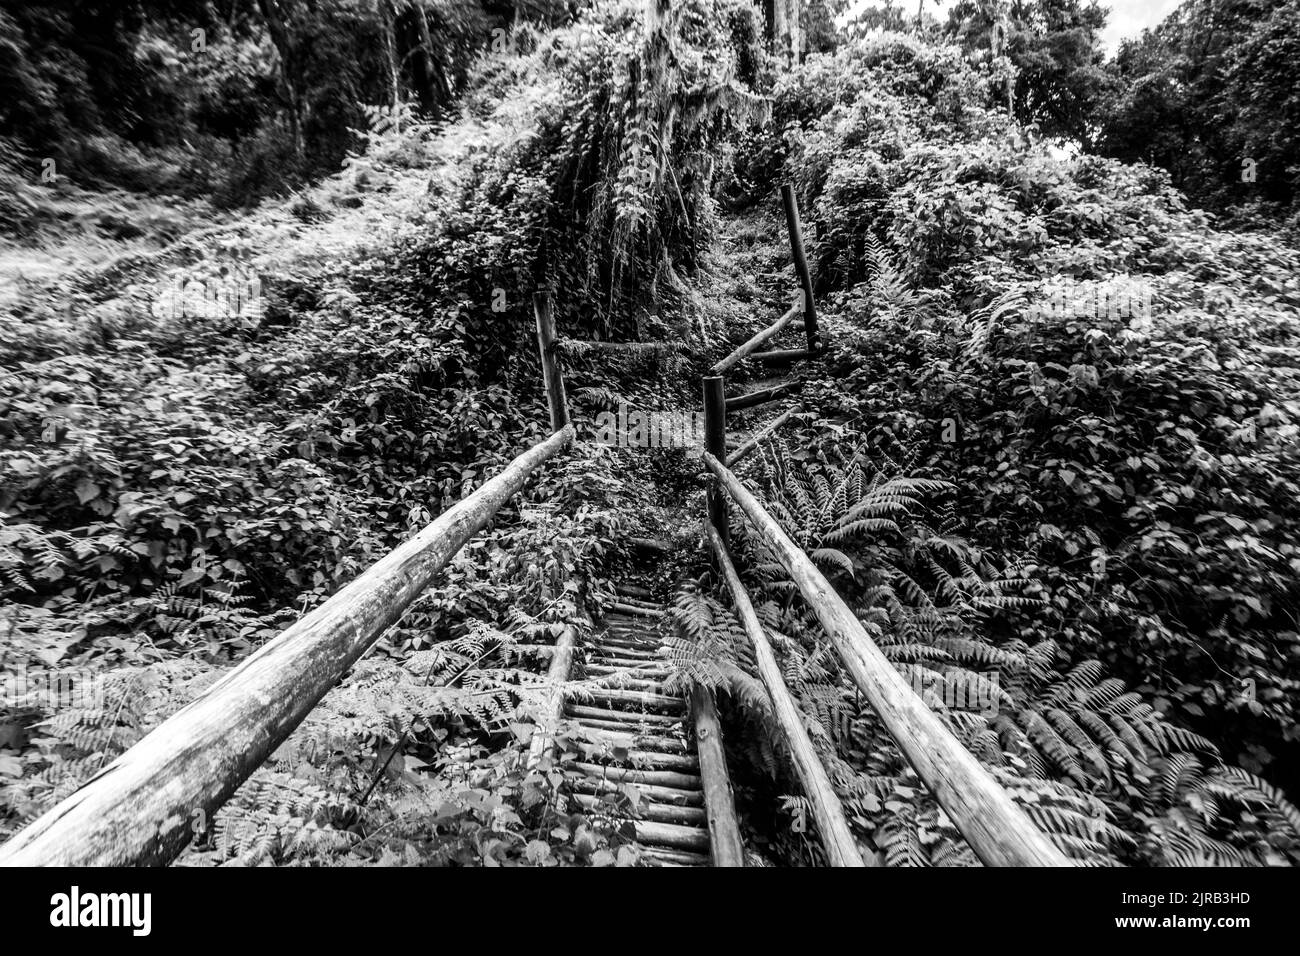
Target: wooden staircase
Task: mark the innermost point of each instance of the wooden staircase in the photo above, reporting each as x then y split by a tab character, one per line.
640	736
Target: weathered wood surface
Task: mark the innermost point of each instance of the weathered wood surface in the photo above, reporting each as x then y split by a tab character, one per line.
758	436
552	377
995	827
146	805
715	443
761	396
724	828
795	229
832	825
780	356
551	707
755	341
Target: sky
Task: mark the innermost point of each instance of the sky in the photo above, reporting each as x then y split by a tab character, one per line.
1128	18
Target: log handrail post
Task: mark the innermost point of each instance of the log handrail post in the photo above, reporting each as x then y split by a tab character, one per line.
801	265
715	444
997	829
142	809
547	346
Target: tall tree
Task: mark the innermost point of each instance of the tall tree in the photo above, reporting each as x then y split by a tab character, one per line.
1211	95
1055	47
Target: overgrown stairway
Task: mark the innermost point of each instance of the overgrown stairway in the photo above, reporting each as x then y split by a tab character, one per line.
642	737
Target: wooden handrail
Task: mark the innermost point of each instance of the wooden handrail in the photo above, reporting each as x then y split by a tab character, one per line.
832	826
761	396
754	341
998	830
758	436
144	807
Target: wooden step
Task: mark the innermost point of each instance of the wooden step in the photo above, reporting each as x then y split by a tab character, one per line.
635	700
619	607
628	716
634	590
650	760
623	680
627	643
648	671
634	742
672	835
669	796
658	812
634	601
659	778
665	857
624	726
628	653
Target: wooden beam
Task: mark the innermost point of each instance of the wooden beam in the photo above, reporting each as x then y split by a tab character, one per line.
995	827
795	229
778	356
551	708
144	807
552	377
759	435
832	825
761	396
757	339
715	443
724	829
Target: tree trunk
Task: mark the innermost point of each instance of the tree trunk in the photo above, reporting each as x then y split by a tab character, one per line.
287	53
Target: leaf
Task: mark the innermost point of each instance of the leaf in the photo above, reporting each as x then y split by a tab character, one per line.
537	852
87	490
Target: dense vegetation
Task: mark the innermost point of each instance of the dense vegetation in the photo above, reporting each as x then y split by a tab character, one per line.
1049	458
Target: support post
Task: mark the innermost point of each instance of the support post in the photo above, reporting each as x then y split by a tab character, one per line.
801	266
551	374
719	803
715	443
